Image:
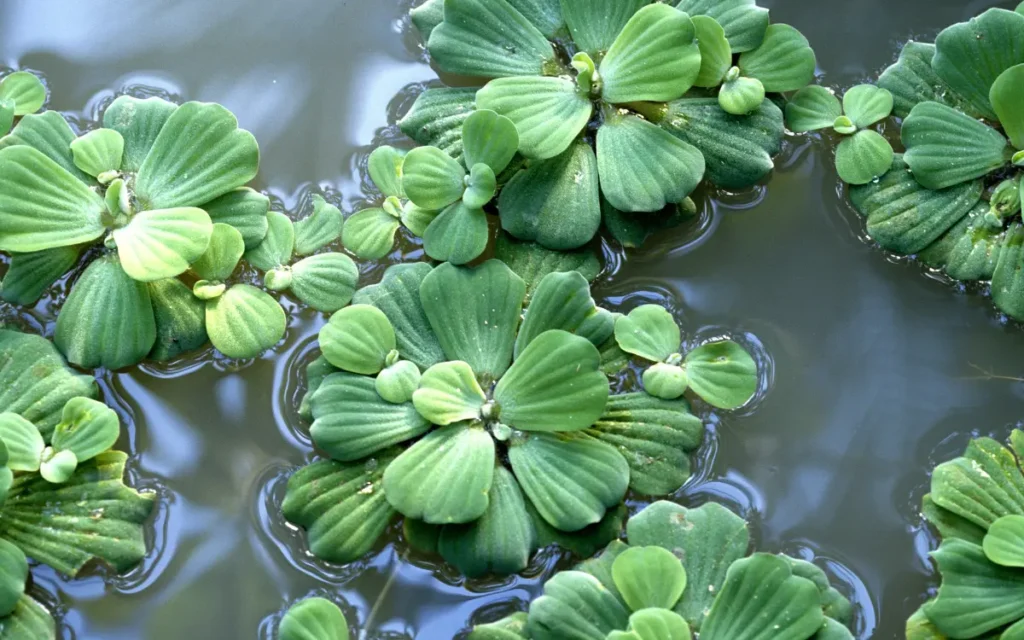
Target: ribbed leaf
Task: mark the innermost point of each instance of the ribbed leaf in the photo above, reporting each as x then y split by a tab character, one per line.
556	202
475	313
571	479
385	169
549	113
29	275
511	627
163	243
432	179
352	422
23	442
655	624
905	217
783	62
563	301
741	96
812	108
107	320
594	24
912	80
1007	98
200	154
1008	279
449	393
277	246
546	15
30	621
532	262
969	56
981	486
98	151
398	382
576	605
649	331
222	254
934	134
744	22
867	104
93	516
87	429
139	122
50	134
863	158
655	57
458	235
976	253
370	233
445	478
500	542
437	117
245	322
358	339
644	167
715	53
417	219
649	577
245	210
341	506
319	229
326	281
1004	542
488	38
42	206
25	90
180	319
654	436
398	296
313	619
427	16
13	574
489	139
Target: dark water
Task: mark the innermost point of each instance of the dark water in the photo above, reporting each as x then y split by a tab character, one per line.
879	371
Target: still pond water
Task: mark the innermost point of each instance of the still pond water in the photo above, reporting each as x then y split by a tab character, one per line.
877	369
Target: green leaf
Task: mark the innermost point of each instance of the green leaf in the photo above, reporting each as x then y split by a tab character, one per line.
555	384
655	624
6	116
532	262
654	436
722	373
708	539
741	96
863	157
93	516
358	339
437	116
199	154
655	57
325	282
563	301
812	108
445	478
649	331
715	52
912	80
225	249
427	16
319	229
50	134
99	151
933	133
432	179
245	210
500	542
1020	8
35	382
571	478
316	372
549	113
459	235
352	422
761	598
1008	280
180	320
489	139
546	15
341	506
398	382
139	122
783	62
313	619
867	104
58	467
42	206
107	320
644	167
737	150
1007	98
975	249
555	202
87	429
576	605
475	313
23	441
416	219
370	234
29	275
665	381
511	627
975	596
245	322
744	22
449	393
277	246
481	187
905	217
594	24
1004	542
982	486
30	621
488	38
398	296
13	574
25	90
385	168
649	577
948	524
163	243
969	56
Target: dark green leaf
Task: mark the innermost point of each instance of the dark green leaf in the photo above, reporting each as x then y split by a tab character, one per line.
783	62
180	319
863	157
912	80
319	229
563	301
29	275
437	117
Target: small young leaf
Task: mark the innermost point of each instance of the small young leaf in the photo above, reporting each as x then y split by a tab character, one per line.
811	109
313	619
325	282
649	577
481	186
370	234
489	139
399	382
358	339
715	53
432	179
244	322
245	210
744	22
864	157
319	229
1007	97
658	624
277	246
649	331
1004	542
163	243
29	275
722	373
385	167
99	151
741	96
784	61
458	235
867	104
222	255
24	444
87	429
25	90
449	393
665	381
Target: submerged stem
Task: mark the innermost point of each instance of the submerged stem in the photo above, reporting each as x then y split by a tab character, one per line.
375	609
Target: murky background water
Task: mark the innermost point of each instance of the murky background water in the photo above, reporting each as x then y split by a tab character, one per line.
879	371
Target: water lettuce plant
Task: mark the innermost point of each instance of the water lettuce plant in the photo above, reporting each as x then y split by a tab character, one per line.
683	572
864	154
63	501
629	102
953	198
492	431
445	197
313	619
721	372
135	202
976	505
21	93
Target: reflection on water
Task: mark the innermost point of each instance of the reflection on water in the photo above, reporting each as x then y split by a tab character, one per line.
872	378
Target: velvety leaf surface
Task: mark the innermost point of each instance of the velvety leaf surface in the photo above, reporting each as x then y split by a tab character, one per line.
319	229
783	62
25	90
863	157
427	16
575	605
549	113
87	428
245	322
180	319
277	246
245	210
546	15
163	243
370	233
139	122
532	262
563	301
399	382
744	22
489	139
1004	542
341	506
13	574
437	116
654	624
1007	98
867	104
325	282
594	24
358	339
23	441
313	619
912	80
449	393
981	486
29	621
1008	279
741	96
385	168
98	151
976	255
29	275
556	202
475	313
649	577
107	320
649	331
432	179
715	53
226	247
458	235
511	627
644	167
445	478
50	134
571	479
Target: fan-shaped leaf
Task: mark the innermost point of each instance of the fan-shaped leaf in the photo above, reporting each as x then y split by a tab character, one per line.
867	104
398	382
29	620
649	577
1004	542
512	627
26	91
319	229
416	219
863	158
458	235
812	108
87	429
163	243
741	96
50	134
245	210
576	605
29	275
98	151
744	22
325	282
783	62
912	80
180	319
649	331
23	441
1007	98
432	179
722	373
277	246
437	116
532	262
563	301
427	16
385	169
656	624
370	234
1008	279
139	122
594	24
449	393
489	139
358	339
981	486
549	113
313	619
13	574
715	53
225	249
245	322
935	134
